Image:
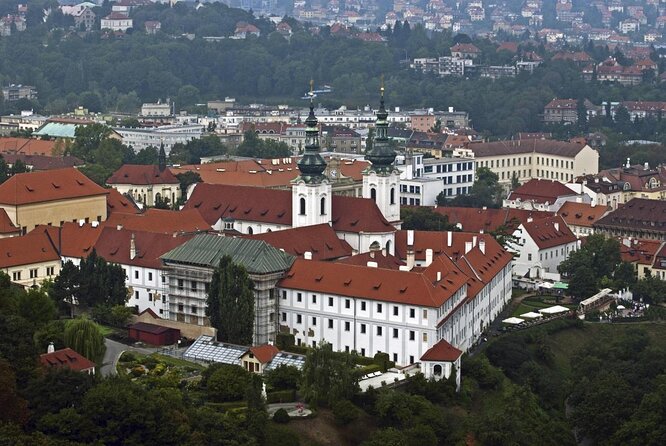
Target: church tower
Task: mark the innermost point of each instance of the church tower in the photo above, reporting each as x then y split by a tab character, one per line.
311	195
381	180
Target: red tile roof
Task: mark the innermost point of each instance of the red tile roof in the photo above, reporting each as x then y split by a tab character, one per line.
350	214
142	175
581	214
114	246
6	225
541	191
488	220
120	204
51	185
415	288
26	146
549	232
320	240
264	353
465	48
35	247
639	214
151	328
160	221
71	239
568	104
382	260
640	251
442	351
42	162
66	358
546	146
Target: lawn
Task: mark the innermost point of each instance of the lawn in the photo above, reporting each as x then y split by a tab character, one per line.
534	304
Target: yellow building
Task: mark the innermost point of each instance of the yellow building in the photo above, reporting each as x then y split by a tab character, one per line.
29	260
52	198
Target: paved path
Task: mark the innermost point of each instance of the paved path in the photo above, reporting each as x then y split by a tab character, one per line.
113	351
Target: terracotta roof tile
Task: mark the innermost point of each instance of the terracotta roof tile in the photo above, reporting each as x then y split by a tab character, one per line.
35	247
442	351
546	146
66	358
488	220
26	146
71	239
120	204
6	225
320	240
382	260
142	175
638	214
51	185
581	214
541	191
43	162
160	221
549	232
264	353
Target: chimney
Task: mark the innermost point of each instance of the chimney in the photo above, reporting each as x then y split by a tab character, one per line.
372	264
473	241
529	219
482	246
410	237
50	348
307	255
626	242
556	225
449	238
468	247
119	227
132	248
404	268
428	259
411	259
439	276
82	222
646	166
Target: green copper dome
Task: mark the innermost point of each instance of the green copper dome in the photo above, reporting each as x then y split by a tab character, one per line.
382	155
311	164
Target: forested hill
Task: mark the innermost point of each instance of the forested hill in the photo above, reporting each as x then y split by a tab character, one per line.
112	73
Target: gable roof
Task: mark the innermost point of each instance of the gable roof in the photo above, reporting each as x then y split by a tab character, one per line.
114	245
442	351
489	219
66	358
540	191
151	328
382	260
637	214
142	175
641	251
71	239
51	185
206	250
320	240
119	203
6	224
415	288
264	353
160	220
465	48
549	232
349	214
34	247
42	162
581	214
26	146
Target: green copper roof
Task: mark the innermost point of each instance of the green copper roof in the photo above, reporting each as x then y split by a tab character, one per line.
258	257
57	130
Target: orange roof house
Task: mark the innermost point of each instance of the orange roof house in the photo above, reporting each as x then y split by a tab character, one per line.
69	359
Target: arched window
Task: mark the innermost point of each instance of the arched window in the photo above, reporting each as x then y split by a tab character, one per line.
373	194
302	207
322	206
250	230
393	195
388	247
437	370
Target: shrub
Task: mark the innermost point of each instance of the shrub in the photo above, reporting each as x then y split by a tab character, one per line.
282	396
138	371
281	436
345	412
369	369
150	362
127	357
284	341
382	360
281	416
283	377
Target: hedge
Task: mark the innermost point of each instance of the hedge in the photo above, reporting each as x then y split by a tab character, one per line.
372	368
281	396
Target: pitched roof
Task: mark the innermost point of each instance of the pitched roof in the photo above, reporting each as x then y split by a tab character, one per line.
488	220
73	240
257	256
151	328
540	191
638	214
114	245
442	351
160	220
545	146
27	146
349	214
51	185
264	353
415	288
34	247
119	203
43	162
640	251
581	214
6	225
465	48
142	175
382	260
320	240
569	104
549	232
66	358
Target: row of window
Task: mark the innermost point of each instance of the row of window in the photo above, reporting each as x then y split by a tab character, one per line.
526	161
347	304
150	296
33	272
411	201
194	285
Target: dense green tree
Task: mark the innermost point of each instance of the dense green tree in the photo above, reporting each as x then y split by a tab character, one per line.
37	307
283	377
650	289
52	332
253	146
100	282
230	302
328	376
55	390
84	336
486	191
65	287
226	382
13	408
424	218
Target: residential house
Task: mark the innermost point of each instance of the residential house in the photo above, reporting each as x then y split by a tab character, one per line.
117	21
30	259
465	51
52	197
542	195
580	217
647	256
146	184
563	111
639	218
68	359
256	359
14	92
541	245
244	30
152	26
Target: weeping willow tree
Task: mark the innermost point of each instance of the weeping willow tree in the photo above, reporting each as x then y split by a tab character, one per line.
83	336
